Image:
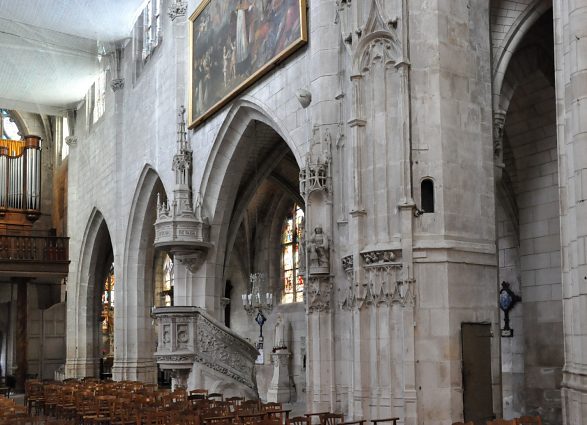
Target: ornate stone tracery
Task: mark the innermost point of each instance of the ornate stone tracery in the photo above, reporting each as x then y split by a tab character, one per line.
319	293
380	50
382	285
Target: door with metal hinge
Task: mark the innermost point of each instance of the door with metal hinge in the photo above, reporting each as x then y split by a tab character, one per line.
476	358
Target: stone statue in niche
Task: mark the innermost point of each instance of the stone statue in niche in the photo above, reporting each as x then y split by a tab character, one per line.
319	252
280	340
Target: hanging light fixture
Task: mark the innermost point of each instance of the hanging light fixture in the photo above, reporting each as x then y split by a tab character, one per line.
257	298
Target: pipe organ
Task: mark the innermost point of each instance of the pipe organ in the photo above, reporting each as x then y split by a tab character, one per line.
20	176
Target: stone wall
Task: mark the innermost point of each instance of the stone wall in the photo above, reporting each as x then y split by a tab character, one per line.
398	96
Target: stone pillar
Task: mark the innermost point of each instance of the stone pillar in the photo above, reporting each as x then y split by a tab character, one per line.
454	247
21	333
570	22
323	120
279	388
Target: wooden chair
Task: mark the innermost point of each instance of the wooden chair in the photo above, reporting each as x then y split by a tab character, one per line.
268	420
33	396
332	419
248	407
122	412
216	396
251	418
218	420
318	415
384	420
198	393
502	422
529	420
276	411
298	420
154	417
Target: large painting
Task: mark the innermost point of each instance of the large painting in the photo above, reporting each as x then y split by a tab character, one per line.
235	42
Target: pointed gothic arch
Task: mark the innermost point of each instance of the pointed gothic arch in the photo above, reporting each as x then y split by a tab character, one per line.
505	51
133	328
97	251
225	170
378	42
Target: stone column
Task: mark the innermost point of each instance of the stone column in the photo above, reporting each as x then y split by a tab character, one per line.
570	22
21	333
323	122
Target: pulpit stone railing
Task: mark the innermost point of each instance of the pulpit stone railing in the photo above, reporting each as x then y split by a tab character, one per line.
188	335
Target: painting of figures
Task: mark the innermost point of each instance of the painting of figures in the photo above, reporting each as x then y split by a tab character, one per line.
235	42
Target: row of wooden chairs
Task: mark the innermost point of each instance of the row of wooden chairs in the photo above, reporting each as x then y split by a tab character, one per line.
328	418
12	413
91	402
523	420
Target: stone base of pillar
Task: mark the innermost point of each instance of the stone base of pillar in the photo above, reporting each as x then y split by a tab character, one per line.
135	370
81	368
279	389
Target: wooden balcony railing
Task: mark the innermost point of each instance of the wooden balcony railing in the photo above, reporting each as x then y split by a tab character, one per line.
47	249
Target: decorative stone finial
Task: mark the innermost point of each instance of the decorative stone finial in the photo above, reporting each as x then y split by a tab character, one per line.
180	227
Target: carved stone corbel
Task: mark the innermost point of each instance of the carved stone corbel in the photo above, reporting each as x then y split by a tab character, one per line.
177	9
191	260
71	141
117	84
498	126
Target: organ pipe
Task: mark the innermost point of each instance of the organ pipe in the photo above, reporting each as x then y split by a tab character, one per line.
20	175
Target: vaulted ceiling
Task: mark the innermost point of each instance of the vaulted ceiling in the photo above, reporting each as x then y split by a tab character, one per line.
50	50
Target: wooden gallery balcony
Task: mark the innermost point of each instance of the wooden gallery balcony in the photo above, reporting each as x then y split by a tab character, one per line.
42	257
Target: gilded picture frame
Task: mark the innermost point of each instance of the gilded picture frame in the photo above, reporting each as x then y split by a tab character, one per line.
233	43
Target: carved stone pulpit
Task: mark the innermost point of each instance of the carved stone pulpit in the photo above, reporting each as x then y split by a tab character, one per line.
188	336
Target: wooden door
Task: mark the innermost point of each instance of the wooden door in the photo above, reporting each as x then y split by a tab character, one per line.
477	388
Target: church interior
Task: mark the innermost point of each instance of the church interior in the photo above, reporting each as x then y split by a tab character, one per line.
275	212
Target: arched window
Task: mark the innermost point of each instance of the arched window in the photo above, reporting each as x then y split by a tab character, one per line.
107	316
293	282
8	127
427	194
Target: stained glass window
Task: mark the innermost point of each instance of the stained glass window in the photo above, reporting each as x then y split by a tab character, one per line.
164	281
293	281
107	315
8	127
167	292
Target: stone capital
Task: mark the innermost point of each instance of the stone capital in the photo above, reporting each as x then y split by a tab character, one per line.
117	84
177	9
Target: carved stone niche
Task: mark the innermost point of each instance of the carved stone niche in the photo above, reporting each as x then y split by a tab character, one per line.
188	335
